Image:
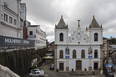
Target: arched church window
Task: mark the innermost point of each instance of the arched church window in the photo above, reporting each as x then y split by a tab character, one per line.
74	54
96	37
95	54
61	54
61	36
83	54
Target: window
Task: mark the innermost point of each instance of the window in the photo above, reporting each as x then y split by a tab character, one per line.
74	53
95	54
10	20
83	54
96	37
31	32
5	17
61	36
14	22
61	54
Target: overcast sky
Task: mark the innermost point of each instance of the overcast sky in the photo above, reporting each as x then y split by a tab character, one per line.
47	13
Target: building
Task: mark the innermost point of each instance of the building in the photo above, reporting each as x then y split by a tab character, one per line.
23	11
79	51
105	47
6	72
10	18
35	33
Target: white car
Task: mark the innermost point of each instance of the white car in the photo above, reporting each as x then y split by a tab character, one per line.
36	73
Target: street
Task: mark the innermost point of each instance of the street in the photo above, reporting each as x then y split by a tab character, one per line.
114	65
52	73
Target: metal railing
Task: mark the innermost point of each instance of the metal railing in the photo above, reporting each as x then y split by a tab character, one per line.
105	71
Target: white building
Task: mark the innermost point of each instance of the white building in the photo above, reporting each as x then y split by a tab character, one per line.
6	72
79	51
35	33
10	18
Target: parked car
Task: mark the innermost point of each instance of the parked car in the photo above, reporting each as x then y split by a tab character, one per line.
36	72
52	67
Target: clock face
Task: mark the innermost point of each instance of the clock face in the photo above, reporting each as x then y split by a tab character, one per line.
78	35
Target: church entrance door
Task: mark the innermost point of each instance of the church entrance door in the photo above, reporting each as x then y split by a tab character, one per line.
61	66
78	65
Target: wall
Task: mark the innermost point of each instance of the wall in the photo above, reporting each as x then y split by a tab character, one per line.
19	61
65	36
72	62
24	32
12	9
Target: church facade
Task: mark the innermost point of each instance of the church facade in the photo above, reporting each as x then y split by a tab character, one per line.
80	51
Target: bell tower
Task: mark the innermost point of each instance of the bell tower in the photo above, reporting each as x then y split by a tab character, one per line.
95	32
61	32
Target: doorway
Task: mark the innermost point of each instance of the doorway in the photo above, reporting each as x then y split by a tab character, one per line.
78	65
95	66
61	66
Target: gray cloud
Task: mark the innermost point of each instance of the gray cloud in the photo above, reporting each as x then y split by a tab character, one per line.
47	13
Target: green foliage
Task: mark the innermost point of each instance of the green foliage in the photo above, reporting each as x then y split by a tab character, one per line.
57	70
33	67
112	41
72	70
99	69
85	69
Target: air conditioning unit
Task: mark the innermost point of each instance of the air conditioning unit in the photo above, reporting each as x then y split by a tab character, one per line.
5	4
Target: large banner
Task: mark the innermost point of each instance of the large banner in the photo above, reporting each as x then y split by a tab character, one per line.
10	41
89	52
67	52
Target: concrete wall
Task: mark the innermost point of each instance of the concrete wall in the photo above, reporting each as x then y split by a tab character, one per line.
24	32
6	72
100	36
57	36
72	62
20	61
78	50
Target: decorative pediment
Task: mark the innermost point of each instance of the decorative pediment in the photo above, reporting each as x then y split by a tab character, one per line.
78	36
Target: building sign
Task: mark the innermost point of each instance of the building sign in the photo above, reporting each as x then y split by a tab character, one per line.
67	52
10	41
89	52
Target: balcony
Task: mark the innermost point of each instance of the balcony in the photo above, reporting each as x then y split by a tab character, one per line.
31	36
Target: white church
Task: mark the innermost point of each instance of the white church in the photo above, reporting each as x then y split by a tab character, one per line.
82	50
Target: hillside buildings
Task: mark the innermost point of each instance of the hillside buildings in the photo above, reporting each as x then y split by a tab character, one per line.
35	33
106	47
79	51
10	18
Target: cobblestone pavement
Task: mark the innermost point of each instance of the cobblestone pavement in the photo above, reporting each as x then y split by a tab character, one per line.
52	73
